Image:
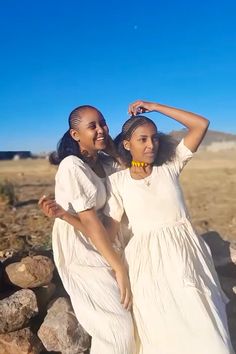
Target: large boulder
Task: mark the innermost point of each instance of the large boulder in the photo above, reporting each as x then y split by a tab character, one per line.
22	341
17	309
228	284
30	272
61	331
223	252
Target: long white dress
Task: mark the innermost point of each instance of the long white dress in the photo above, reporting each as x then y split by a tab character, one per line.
85	274
178	305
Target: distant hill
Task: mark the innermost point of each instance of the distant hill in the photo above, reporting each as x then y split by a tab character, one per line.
213	140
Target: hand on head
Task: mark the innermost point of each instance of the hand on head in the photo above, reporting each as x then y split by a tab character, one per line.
139	107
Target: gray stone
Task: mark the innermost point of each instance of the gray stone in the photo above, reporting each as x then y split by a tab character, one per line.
61	331
223	252
17	309
229	286
44	294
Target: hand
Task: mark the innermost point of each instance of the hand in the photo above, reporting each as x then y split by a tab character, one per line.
125	289
50	208
139	107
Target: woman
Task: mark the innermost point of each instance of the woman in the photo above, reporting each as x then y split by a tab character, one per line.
178	304
91	270
177	301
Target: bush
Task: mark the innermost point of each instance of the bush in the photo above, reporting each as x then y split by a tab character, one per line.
7	193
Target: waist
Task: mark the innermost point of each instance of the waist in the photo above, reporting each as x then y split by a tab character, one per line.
151	225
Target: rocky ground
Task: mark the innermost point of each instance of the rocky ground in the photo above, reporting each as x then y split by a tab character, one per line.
209	184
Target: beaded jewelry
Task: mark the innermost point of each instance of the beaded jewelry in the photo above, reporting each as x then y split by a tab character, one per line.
139	164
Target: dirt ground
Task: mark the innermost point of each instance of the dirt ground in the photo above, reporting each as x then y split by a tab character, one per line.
208	181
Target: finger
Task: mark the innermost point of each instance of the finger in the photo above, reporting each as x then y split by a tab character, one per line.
122	294
127	298
136	107
41	200
130	306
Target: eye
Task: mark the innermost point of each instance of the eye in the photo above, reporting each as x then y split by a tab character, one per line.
103	123
156	138
92	126
143	140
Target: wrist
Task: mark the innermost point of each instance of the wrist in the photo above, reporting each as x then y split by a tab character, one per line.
65	216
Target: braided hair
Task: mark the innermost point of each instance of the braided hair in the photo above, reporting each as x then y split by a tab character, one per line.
167	144
67	145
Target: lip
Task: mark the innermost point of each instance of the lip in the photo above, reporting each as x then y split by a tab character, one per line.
149	153
101	138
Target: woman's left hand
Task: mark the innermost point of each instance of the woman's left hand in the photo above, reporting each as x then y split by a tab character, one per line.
139	107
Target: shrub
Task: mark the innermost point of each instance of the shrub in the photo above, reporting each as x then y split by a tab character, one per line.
7	193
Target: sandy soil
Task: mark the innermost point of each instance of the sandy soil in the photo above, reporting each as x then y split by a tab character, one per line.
208	181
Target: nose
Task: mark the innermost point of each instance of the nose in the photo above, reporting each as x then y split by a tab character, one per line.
100	129
150	144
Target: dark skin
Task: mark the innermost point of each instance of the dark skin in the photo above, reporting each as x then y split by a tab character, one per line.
143	146
92	136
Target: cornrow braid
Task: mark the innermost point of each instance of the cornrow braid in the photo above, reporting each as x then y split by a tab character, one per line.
133	123
67	145
76	115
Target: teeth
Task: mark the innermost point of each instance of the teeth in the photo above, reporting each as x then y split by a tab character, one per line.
100	138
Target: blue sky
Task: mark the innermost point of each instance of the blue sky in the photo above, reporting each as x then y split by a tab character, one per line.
56	55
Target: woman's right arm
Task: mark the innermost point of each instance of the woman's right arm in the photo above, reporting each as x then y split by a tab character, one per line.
88	223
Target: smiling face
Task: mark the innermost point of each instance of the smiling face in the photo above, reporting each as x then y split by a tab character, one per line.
92	131
143	143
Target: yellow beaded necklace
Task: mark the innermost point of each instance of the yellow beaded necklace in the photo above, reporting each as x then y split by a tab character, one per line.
139	164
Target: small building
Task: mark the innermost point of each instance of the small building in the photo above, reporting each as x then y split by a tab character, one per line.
15	155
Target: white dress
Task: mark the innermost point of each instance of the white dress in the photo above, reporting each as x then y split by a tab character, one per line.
85	274
178	305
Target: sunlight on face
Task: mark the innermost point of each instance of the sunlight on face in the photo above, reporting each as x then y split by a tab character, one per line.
144	142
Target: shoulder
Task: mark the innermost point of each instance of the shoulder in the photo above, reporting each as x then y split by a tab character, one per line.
74	164
71	161
118	177
182	150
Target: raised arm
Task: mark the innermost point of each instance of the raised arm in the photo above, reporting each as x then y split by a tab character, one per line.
196	124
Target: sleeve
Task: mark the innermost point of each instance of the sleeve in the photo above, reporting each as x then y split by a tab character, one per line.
78	189
182	156
114	204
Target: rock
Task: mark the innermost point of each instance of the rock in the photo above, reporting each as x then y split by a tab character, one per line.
16	310
30	272
20	342
61	331
44	294
223	252
229	286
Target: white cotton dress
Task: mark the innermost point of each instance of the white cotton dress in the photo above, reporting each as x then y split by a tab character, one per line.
85	274
178	305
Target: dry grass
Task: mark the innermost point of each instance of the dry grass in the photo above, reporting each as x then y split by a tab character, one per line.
209	184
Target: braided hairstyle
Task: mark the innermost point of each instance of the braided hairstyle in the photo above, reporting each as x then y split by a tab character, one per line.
167	143
67	145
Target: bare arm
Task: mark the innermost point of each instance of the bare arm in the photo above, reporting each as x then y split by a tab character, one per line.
112	227
196	124
89	224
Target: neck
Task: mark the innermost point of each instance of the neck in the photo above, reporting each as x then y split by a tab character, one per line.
90	158
144	170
